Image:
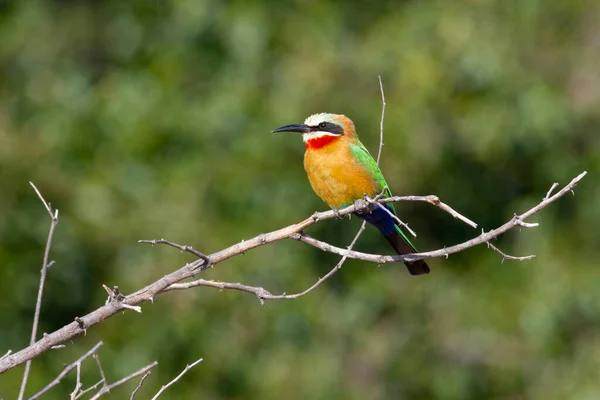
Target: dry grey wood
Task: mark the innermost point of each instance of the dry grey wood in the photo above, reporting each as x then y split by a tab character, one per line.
43	272
263	294
508	256
187	368
139	386
107	388
381	121
80	325
65	371
78	383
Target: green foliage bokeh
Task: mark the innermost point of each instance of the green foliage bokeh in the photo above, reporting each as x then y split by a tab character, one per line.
146	119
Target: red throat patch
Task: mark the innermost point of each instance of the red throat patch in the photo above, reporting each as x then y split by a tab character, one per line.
320	142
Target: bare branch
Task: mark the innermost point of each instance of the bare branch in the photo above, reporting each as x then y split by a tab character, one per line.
183	248
8	353
139	386
48	208
108	388
554	185
382	119
483	238
77	383
260	292
97	358
44	270
187	368
80	325
433	200
508	256
327	275
90	389
65	371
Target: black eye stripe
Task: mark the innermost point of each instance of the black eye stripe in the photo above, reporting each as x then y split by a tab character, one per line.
328	127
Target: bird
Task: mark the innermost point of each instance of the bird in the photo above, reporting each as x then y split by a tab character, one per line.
341	170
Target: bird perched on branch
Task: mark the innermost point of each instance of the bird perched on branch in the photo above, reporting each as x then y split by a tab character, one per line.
341	171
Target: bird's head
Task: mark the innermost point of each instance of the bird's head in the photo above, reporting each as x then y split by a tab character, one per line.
319	130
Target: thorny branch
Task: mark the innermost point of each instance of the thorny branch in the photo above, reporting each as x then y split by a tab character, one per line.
187	368
65	371
295	231
107	388
139	386
43	271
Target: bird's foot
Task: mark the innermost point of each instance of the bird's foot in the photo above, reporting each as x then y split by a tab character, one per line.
336	212
361	206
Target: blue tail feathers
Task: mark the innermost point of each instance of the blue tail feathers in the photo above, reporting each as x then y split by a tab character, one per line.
395	237
381	220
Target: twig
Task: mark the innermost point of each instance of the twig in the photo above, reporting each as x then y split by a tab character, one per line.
108	388
433	200
44	270
8	353
139	386
391	214
183	248
508	256
65	371
554	185
79	326
327	275
91	388
259	292
382	119
187	368
77	383
97	358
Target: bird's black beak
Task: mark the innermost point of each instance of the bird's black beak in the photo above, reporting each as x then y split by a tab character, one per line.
300	128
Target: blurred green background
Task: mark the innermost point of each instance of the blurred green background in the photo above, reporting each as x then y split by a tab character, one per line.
144	119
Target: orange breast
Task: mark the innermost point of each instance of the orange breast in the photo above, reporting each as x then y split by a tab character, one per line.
336	177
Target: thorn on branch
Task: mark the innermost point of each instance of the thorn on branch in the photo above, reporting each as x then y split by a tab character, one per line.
520	222
8	353
554	185
262	238
115	296
80	322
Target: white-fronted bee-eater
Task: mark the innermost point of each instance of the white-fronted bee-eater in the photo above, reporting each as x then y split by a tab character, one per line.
341	171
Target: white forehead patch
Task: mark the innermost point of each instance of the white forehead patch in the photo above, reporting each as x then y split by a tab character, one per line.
316	119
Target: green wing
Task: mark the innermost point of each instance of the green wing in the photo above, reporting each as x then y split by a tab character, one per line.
360	152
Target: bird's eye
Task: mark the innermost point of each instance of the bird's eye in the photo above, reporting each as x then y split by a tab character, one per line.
323	125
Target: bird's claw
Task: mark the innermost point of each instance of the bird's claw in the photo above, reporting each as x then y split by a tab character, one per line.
361	206
336	212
